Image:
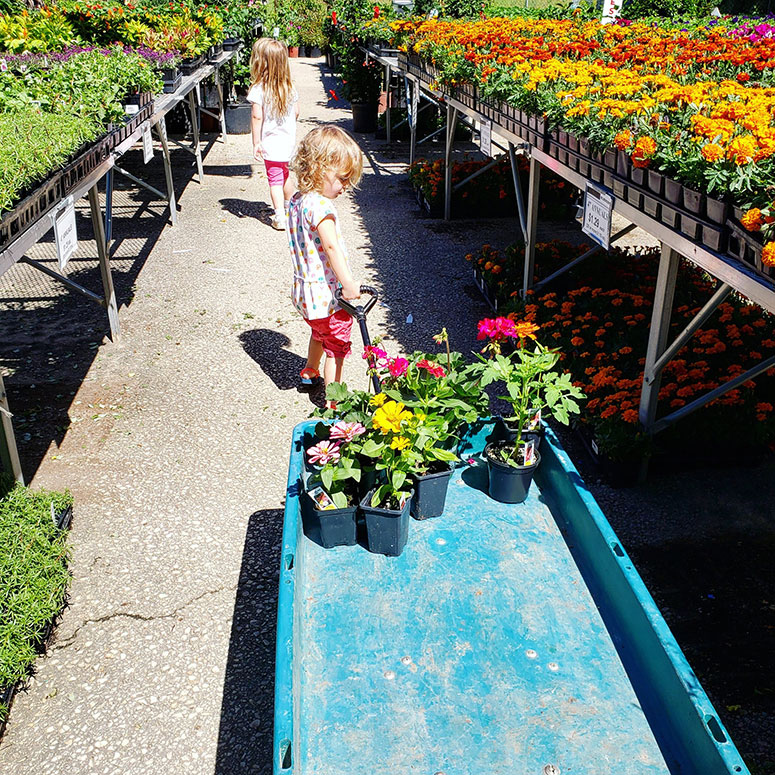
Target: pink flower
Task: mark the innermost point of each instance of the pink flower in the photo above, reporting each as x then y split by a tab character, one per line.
432	368
347	431
377	353
323	452
398	366
497	329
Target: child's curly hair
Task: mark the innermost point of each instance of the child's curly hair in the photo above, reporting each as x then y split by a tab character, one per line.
326	148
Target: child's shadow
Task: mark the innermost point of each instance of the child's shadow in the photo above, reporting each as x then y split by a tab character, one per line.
242	208
267	349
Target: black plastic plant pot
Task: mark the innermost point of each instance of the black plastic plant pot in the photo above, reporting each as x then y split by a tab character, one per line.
609	159
650	206
509	484
364	116
573	142
338	527
690	227
638	176
692	200
430	494
656	180
608	178
714	237
622	164
717	210
386	530
670	217
230	43
673	191
620	190
634	197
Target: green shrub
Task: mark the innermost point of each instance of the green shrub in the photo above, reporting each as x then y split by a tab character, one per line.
635	9
33	575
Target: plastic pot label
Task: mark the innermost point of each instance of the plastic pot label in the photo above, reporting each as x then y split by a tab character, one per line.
321	499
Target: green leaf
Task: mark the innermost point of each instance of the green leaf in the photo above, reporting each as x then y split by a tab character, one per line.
327	477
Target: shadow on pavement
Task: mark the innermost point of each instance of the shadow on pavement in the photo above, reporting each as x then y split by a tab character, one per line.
243	208
245	732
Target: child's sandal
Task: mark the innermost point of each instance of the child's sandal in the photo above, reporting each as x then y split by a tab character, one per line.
309	376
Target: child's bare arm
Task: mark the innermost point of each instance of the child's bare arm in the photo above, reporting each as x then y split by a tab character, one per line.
327	232
257	115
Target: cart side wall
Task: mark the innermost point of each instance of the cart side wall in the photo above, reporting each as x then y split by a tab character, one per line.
286	695
684	722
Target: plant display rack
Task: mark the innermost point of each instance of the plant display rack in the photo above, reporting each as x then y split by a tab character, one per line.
34	216
705	233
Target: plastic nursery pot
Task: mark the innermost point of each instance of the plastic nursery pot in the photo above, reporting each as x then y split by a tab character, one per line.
692	200
386	530
638	175
337	526
430	494
364	116
672	191
508	484
293	52
656	181
717	210
622	164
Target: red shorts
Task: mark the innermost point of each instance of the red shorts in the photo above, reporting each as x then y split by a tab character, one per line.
333	333
277	172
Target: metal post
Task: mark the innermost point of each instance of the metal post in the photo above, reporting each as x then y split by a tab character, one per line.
109	207
102	250
387	103
451	124
660	327
532	225
192	104
161	129
412	118
518	191
9	456
221	106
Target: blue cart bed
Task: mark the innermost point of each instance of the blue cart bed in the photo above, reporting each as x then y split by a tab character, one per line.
505	640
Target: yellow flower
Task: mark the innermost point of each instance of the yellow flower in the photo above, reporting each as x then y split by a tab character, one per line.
378	399
768	254
388	418
399	443
712	152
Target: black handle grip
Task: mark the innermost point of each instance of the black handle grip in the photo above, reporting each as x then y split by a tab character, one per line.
359	309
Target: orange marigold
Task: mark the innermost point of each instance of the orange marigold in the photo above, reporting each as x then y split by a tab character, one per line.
644	149
752	220
768	254
712	152
623	140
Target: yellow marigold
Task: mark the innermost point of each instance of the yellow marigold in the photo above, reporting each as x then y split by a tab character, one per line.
753	220
644	149
712	152
768	254
388	418
623	140
400	443
378	399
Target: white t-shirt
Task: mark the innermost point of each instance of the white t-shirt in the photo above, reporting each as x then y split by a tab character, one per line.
278	136
314	281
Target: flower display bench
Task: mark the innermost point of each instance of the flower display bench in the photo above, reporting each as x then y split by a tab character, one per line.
503	633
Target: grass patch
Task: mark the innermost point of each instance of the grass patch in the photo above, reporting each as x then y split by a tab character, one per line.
33	575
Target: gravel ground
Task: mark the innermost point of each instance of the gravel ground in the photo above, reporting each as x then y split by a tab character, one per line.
174	444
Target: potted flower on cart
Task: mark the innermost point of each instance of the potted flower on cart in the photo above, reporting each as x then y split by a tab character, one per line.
532	384
331	491
386	507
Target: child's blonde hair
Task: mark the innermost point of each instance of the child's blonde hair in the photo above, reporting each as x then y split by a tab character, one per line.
269	67
326	148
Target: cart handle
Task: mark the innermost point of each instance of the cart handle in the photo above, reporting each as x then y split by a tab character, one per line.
357	310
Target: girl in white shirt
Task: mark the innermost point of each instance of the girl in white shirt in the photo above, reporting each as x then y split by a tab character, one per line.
275	110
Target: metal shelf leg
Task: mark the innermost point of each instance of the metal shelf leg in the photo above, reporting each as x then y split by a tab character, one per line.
161	129
195	125
9	456
532	224
451	124
107	279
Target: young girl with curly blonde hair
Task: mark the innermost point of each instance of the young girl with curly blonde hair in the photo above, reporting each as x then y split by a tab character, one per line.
275	110
327	161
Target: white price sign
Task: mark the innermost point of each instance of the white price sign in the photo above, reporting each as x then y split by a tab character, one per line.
612	9
598	206
65	234
147	145
485	136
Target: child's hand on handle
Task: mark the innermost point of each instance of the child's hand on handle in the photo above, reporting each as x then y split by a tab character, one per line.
351	291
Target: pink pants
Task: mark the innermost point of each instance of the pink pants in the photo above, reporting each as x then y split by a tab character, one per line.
277	172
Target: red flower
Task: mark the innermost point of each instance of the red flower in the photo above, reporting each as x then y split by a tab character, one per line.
432	368
333	94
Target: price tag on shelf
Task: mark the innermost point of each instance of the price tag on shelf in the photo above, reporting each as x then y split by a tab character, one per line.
485	136
147	145
612	10
598	207
65	233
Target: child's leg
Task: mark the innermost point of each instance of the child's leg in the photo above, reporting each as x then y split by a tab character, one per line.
314	354
275	173
289	188
332	371
276	194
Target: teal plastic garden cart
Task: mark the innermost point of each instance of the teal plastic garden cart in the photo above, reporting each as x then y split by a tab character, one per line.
505	640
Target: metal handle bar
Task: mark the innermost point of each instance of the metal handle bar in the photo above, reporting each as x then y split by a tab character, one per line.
360	309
